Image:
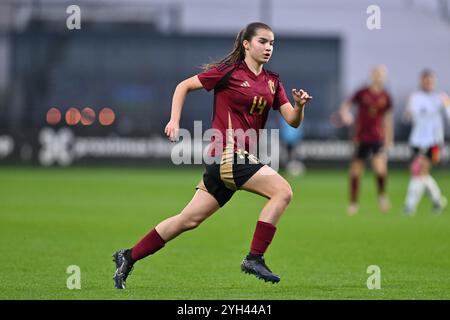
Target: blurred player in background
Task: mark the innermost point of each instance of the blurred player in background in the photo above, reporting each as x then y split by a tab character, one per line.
373	134
244	93
426	109
291	138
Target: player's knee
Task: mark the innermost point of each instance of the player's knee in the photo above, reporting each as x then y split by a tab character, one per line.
355	171
381	172
285	194
416	167
191	224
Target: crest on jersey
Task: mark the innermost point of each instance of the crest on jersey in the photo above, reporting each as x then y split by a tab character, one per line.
271	86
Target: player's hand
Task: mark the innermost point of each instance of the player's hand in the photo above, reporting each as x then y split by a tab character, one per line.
301	97
347	118
172	130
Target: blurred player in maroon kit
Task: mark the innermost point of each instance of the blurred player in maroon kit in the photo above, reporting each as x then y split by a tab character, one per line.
373	134
244	93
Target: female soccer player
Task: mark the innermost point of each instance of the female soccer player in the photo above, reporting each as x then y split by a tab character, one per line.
373	132
425	109
244	92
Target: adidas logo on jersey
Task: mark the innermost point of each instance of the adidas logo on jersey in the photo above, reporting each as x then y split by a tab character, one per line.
245	84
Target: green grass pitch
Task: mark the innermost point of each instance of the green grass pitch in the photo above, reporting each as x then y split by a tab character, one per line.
53	218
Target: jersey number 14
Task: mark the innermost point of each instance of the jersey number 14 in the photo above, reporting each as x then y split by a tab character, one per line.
258	104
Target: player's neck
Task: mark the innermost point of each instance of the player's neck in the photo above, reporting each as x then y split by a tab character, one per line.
254	66
376	87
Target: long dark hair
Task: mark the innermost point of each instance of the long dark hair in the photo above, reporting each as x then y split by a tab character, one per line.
238	52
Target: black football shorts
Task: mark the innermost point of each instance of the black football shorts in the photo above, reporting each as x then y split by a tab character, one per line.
433	153
228	173
363	150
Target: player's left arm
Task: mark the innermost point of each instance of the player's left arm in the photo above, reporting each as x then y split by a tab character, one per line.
388	124
294	114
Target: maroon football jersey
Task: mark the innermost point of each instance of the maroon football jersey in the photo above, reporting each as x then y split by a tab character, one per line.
242	100
372	107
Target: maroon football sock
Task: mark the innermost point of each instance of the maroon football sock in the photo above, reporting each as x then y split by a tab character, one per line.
354	189
262	237
151	243
381	184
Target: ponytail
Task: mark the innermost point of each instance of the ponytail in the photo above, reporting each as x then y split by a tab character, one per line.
238	52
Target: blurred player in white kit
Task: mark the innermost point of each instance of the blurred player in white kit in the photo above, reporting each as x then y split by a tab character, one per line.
426	110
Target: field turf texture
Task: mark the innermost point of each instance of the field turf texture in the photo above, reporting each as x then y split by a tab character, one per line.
53	218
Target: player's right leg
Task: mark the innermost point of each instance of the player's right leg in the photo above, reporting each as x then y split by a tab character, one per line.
379	165
416	186
197	210
355	172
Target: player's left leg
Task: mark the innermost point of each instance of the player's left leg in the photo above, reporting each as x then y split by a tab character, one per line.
416	185
356	170
268	183
357	166
431	186
380	168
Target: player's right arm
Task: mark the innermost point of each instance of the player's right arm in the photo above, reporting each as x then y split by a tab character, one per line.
345	112
179	96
